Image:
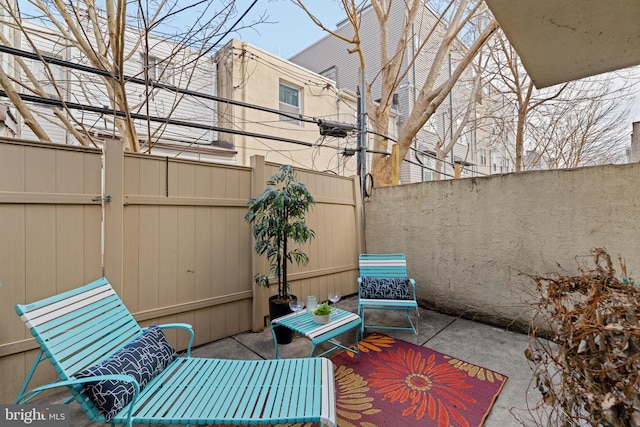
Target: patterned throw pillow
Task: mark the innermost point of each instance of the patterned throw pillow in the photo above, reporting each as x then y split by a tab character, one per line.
143	358
385	288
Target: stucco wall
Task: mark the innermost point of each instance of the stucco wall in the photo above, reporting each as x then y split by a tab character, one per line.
468	240
250	75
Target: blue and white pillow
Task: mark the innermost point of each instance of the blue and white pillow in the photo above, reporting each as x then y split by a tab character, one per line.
397	288
143	358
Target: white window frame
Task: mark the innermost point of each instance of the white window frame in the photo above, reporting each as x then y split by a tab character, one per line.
287	107
463	139
58	78
505	165
158	67
430	126
427	161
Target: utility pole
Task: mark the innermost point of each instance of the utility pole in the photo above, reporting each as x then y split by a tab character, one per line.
362	136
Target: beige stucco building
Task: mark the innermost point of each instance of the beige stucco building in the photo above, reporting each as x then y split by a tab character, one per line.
248	75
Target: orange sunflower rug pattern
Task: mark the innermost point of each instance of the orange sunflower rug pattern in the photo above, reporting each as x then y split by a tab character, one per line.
397	383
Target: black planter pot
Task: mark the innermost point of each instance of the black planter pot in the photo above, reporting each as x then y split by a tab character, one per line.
279	309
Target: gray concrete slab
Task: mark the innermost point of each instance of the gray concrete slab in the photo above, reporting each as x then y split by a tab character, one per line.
499	350
473	342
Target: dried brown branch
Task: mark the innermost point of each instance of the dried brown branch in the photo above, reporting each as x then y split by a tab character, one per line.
589	373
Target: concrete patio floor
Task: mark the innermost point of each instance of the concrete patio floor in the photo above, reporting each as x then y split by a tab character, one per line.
473	342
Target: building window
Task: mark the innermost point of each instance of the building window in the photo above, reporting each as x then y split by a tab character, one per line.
483	156
428	165
463	139
158	70
290	102
430	126
505	165
48	76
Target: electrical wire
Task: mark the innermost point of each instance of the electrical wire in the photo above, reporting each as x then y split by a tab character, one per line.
226	33
158	85
153	84
367	188
419	162
429	168
118	113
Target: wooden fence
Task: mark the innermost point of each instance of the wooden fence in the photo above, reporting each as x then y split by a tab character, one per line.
169	234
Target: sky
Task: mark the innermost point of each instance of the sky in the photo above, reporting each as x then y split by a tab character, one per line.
289	29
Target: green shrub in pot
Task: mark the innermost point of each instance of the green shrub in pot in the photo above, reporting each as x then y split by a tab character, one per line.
277	218
323	309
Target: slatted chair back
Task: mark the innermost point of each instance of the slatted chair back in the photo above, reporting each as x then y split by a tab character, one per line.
384	284
383	265
79	328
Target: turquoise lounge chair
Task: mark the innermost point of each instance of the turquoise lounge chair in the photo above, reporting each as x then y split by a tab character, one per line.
85	332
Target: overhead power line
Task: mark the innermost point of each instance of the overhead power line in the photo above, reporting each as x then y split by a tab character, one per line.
101	110
327	128
151	83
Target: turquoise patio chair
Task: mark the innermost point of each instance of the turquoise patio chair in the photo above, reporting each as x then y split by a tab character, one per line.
383	285
88	335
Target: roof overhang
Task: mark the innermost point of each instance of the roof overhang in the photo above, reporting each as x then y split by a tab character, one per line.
563	40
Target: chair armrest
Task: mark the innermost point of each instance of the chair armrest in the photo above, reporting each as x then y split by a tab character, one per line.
176	325
184	326
27	396
413	286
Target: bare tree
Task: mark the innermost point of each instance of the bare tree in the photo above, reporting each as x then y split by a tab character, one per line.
568	125
395	62
173	40
509	76
588	126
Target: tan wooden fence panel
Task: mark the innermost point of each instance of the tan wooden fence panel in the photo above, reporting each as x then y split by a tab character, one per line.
333	254
187	255
49	238
176	245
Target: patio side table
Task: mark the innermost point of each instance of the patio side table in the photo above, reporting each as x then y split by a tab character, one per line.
302	323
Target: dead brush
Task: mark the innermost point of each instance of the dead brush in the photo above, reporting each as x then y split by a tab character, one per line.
584	343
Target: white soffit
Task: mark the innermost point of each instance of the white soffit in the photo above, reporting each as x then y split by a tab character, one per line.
563	40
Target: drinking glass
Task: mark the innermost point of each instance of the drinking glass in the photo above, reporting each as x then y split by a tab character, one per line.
312	303
334	297
296	306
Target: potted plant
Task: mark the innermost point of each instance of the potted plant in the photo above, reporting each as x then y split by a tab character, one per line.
278	217
322	314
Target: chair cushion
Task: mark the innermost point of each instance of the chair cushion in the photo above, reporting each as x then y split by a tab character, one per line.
385	288
143	358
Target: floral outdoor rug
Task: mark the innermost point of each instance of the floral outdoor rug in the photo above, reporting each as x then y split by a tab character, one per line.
401	384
